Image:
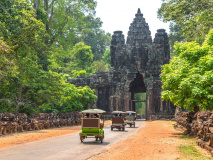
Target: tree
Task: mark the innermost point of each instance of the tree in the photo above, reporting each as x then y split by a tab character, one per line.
7	61
77	98
140	106
63	18
19	27
80	73
107	58
175	35
82	55
187	79
95	37
28	83
77	58
20	30
194	16
100	66
24	80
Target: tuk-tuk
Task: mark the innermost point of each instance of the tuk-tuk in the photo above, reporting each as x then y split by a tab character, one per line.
91	124
118	120
132	113
130	118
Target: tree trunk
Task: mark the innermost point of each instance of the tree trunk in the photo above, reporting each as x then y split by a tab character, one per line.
18	97
196	109
35	5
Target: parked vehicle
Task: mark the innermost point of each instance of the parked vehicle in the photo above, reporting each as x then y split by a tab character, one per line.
118	120
92	125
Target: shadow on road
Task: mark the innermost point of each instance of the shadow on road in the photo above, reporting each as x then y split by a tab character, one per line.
132	127
94	143
140	120
119	131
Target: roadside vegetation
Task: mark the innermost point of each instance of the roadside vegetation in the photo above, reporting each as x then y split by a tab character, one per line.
190	150
44	42
187	79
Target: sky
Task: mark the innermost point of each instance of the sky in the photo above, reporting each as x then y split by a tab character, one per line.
118	14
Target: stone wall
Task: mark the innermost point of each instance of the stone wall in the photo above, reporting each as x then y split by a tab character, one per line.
19	122
135	68
199	125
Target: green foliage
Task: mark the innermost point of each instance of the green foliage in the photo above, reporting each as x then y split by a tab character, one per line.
83	55
190	150
20	31
100	66
75	62
7	61
79	73
95	37
175	35
77	98
62	60
140	106
188	137
188	78
195	17
28	82
107	57
63	18
18	24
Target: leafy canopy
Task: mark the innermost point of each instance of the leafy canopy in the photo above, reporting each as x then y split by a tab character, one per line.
28	40
188	78
194	16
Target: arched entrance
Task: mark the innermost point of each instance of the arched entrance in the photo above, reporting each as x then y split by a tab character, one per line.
138	90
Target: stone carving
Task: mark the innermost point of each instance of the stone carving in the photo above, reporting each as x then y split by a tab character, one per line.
135	68
199	125
18	122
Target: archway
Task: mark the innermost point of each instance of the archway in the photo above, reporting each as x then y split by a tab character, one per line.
139	103
137	89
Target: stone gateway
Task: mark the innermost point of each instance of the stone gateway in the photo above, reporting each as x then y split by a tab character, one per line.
135	68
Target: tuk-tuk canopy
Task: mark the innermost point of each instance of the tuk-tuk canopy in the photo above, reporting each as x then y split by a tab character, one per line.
94	111
130	112
117	112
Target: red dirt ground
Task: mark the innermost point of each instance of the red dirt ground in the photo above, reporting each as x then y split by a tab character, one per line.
158	140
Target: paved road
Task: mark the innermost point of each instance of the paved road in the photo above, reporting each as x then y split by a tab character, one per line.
66	147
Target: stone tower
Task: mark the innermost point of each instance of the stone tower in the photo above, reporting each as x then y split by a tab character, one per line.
135	68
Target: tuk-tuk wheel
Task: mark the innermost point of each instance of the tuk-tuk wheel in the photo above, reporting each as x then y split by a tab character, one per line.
124	129
81	138
111	128
96	138
130	125
101	139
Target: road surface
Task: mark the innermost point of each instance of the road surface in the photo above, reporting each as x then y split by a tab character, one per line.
67	147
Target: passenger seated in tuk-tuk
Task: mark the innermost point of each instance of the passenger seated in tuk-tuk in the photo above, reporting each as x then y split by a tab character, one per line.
130	115
96	115
87	115
115	116
101	122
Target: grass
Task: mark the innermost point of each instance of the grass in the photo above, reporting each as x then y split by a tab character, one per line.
190	152
187	137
